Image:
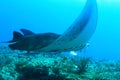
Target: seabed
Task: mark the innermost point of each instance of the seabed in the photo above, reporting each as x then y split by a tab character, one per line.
17	65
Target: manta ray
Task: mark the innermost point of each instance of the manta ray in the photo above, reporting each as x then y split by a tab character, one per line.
74	38
31	41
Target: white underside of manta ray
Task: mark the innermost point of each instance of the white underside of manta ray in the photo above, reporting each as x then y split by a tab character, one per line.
79	33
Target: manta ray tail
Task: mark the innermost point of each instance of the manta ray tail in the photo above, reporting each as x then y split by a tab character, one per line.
16	36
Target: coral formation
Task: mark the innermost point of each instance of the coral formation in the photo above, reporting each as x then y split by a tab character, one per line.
16	65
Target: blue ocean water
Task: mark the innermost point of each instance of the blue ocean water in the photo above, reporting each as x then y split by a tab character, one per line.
57	15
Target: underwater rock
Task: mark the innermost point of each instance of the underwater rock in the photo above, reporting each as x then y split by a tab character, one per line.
32	73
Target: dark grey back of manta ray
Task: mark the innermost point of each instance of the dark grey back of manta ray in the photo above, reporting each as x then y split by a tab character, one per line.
30	41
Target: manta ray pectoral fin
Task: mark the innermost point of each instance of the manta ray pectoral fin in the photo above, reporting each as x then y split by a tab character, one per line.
78	34
27	32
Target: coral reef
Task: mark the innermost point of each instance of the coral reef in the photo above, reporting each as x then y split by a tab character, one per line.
16	65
